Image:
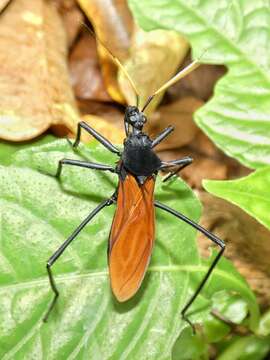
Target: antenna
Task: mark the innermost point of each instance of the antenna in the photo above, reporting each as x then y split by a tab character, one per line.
182	73
116	61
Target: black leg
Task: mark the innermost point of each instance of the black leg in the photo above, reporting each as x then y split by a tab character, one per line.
181	163
84	164
162	136
210	236
62	248
96	135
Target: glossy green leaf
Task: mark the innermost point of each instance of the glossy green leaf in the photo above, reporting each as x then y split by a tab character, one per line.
237	34
251	193
38	212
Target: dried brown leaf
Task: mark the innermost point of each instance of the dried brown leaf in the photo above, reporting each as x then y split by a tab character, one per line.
72	18
180	115
205	146
113	25
154	58
107	111
34	83
111	132
248	242
86	76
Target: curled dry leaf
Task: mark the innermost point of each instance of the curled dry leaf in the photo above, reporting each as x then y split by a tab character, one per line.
113	25
106	111
72	19
111	132
248	242
154	58
178	114
35	89
85	71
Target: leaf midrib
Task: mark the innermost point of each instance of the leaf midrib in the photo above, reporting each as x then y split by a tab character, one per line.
158	268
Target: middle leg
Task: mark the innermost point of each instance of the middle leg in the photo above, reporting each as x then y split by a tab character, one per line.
180	163
84	164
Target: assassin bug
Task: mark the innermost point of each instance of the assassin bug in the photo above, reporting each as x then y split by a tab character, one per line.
133	224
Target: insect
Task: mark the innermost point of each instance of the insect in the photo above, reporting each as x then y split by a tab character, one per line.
133	225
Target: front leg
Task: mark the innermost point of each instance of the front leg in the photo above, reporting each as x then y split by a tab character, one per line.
162	136
105	142
210	236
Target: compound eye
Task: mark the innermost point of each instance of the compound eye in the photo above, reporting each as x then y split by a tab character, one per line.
133	117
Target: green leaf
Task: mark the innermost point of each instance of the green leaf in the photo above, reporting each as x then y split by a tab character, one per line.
264	325
8	150
38	212
251	193
237	34
189	346
246	348
232	307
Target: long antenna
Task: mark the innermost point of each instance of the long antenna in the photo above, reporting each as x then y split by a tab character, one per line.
182	73
116	61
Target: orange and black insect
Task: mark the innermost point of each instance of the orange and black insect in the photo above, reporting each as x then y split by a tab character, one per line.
132	233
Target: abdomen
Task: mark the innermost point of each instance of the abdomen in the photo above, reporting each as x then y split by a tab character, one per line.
132	236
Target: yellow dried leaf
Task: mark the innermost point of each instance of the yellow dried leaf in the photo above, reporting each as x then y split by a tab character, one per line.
111	132
34	82
154	58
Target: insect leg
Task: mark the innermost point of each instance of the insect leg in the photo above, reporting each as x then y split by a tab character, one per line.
162	136
62	248
84	164
210	236
105	142
182	163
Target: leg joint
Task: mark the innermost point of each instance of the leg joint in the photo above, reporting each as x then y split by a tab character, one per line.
221	244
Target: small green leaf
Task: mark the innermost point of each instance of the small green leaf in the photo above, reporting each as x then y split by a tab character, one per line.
237	34
38	212
246	348
189	346
264	325
232	307
251	193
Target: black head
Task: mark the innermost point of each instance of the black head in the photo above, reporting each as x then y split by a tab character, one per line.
135	118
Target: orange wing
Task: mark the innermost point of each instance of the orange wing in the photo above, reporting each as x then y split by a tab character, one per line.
132	236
